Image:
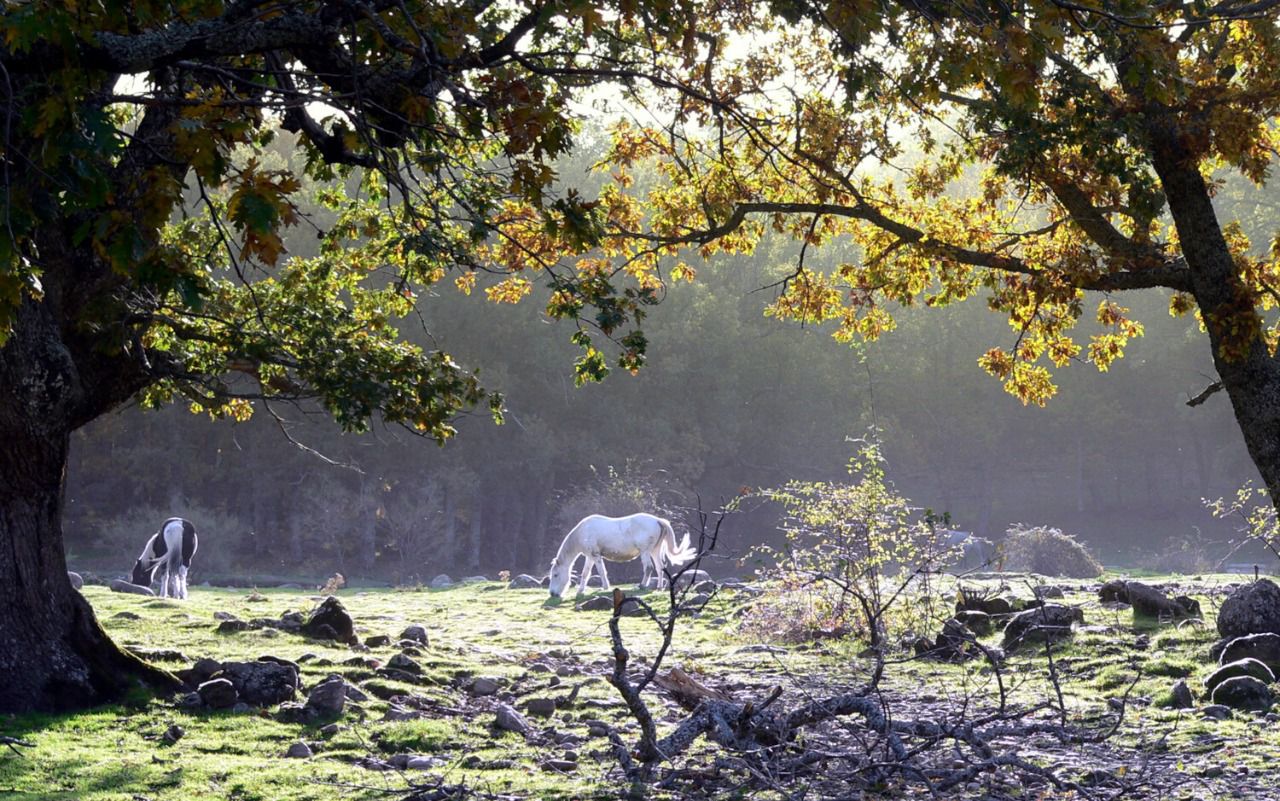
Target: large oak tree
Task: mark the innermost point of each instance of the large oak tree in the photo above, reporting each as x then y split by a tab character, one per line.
142	251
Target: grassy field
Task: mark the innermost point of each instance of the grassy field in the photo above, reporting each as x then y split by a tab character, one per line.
538	650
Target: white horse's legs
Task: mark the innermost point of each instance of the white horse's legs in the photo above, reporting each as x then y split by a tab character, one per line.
164	584
182	582
588	565
604	574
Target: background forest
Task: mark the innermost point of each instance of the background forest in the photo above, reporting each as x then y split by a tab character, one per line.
730	400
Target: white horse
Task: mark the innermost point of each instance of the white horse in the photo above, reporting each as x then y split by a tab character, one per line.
618	539
172	546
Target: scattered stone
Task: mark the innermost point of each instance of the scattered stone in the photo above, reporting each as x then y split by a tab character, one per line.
120	585
474	580
705	587
330	621
298	750
691	578
1149	602
1243	692
221	615
203	670
404	663
972	602
328	698
507	719
377	641
978	622
1240	667
1216	712
1048	623
279	660
218	693
416	633
330	730
77	581
595	604
1252	608
955	643
524	581
1115	591
262	683
255	597
484	686
1263	647
597	728
559	766
441	582
172	734
413	762
1180	695
233	626
190	701
126	616
540	707
1049	591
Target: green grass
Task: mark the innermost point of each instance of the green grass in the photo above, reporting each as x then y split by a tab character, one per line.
519	637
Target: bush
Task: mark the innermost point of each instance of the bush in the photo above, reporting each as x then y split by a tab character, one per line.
1047	551
121	538
1182	555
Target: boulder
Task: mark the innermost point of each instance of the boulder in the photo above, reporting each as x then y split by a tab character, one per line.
507	719
330	621
298	750
262	683
474	579
955	643
173	734
1147	601
404	663
1048	623
328	698
969	602
377	641
1240	667
1251	609
977	622
440	582
1263	647
1115	591
1243	692
484	686
218	694
524	581
1216	712
234	626
76	580
417	633
540	707
690	577
1180	695
120	585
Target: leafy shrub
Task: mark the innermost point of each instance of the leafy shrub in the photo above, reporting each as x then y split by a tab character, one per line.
851	553
1182	555
122	537
614	493
1047	551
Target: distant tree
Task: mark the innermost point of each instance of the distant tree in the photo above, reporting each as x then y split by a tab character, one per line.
432	127
1030	153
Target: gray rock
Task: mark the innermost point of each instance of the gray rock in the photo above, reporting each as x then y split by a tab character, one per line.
1149	602
1263	647
330	729
524	581
298	750
598	603
404	663
172	734
218	694
120	585
1049	591
328	698
507	719
484	686
191	701
705	587
126	616
690	577
377	641
1180	695
440	582
330	621
234	626
262	683
1048	623
204	669
540	707
417	633
1115	591
1240	667
77	581
559	766
976	621
1251	609
1243	692
1216	711
474	579
221	615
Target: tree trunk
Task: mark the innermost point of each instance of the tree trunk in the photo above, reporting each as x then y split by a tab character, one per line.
53	654
1249	374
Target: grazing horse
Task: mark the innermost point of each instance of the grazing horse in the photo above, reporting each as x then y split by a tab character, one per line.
618	539
172	546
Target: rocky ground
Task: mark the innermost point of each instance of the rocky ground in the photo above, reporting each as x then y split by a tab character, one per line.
484	691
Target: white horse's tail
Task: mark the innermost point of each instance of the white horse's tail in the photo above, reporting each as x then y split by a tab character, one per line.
675	554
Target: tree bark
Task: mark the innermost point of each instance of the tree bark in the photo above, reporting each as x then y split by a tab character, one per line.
53	654
1251	378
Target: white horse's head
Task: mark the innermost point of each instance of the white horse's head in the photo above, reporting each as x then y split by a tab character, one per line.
561	573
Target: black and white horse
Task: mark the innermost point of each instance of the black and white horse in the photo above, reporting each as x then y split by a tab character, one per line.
171	547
